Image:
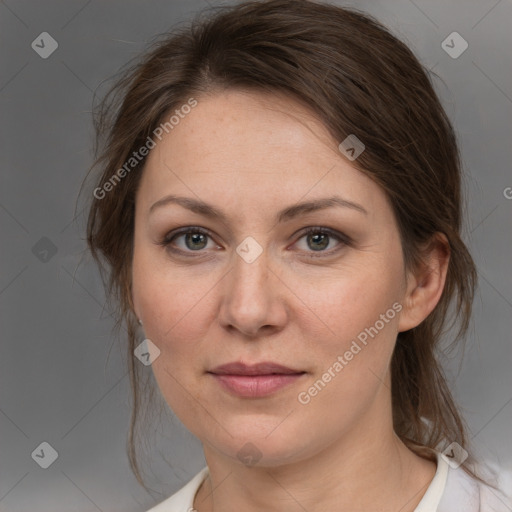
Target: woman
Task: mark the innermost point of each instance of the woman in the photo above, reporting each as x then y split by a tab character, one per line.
279	208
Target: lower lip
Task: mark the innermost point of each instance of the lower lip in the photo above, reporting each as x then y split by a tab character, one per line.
256	386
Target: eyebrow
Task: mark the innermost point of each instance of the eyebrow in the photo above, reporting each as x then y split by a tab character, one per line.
207	210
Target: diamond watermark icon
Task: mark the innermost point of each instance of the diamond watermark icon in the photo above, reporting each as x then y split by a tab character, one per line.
147	352
45	455
454	455
44	249
351	147
454	45
249	454
249	250
44	45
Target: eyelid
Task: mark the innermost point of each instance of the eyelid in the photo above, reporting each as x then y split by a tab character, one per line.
167	239
344	239
328	231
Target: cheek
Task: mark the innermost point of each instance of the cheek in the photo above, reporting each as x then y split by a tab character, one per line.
352	358
175	304
359	313
363	344
175	311
347	303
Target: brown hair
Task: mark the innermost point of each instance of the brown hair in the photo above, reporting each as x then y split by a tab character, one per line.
358	79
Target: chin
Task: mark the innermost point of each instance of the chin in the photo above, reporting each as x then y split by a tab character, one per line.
263	442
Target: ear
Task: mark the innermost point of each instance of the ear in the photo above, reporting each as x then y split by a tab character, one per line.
425	284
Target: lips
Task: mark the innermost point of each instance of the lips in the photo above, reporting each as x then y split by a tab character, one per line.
254	381
264	368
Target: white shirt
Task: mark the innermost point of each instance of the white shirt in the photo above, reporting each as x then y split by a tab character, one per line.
451	490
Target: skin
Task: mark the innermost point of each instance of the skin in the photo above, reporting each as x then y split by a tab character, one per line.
251	155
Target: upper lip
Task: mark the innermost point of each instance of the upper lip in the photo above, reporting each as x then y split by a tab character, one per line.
264	368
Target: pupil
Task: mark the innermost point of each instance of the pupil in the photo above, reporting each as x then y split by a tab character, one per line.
322	236
196	238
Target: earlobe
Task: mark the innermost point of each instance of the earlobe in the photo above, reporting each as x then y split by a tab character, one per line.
425	286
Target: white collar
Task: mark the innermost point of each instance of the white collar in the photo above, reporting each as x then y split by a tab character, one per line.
450	490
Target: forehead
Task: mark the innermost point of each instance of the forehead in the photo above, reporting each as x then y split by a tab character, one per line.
250	148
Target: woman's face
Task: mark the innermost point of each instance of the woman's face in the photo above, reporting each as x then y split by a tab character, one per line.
254	287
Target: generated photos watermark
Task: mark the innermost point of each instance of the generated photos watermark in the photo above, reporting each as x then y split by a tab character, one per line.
304	397
137	156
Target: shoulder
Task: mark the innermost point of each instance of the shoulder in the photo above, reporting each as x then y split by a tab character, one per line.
453	490
183	499
465	494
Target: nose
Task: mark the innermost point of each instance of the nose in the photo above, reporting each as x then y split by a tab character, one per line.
254	298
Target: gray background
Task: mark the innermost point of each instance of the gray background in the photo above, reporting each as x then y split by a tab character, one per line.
63	379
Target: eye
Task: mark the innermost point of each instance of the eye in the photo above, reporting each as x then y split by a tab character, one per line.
319	238
193	239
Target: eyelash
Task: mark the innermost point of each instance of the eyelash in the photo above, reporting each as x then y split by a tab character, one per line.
340	237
